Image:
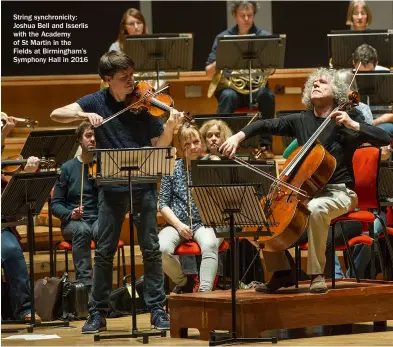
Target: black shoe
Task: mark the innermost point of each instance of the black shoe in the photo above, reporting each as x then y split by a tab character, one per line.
280	279
160	320
187	288
94	324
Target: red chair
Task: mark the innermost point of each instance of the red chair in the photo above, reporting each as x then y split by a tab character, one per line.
192	248
366	168
66	246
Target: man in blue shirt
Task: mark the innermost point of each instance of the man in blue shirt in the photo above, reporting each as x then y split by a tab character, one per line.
79	224
229	99
128	130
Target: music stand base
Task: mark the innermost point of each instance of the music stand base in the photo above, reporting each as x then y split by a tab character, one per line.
135	334
226	338
31	326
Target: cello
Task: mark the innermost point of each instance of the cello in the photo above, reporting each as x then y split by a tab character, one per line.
306	171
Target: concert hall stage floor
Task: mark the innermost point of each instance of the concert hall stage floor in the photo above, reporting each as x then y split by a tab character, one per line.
351	302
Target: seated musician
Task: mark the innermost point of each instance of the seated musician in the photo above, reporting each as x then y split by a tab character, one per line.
368	57
322	93
230	99
79	223
213	134
12	259
179	210
359	15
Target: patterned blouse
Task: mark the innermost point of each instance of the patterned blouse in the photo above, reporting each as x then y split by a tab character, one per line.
173	194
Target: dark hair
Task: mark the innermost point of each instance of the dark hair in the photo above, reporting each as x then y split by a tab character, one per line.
235	5
80	130
123	30
365	54
112	62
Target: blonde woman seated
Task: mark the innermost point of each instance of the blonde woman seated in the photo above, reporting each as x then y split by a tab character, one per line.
173	204
214	133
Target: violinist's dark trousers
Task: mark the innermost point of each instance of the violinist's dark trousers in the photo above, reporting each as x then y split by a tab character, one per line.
15	271
112	208
229	100
80	233
331	202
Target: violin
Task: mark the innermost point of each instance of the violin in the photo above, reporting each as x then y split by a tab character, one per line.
145	98
15	164
29	123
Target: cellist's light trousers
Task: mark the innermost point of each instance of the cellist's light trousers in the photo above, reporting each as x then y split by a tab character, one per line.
332	201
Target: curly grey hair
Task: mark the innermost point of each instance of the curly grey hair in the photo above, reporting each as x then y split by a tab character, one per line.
340	88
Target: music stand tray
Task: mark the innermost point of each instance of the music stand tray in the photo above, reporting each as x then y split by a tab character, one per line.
241	52
24	197
232	203
160	52
343	43
133	166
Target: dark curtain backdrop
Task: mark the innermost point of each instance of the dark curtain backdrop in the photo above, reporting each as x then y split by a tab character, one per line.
205	20
306	24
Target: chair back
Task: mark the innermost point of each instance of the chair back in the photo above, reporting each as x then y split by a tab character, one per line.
365	163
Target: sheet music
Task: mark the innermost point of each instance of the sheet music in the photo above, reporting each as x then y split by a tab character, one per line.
150	161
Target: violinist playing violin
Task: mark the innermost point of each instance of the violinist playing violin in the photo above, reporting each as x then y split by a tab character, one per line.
128	130
12	259
323	91
75	203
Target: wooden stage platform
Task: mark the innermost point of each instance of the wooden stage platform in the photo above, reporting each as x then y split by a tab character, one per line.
350	302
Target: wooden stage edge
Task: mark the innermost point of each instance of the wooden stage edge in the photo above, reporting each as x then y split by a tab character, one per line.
291	308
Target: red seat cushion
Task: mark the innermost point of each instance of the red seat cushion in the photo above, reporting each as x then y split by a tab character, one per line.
361	216
65	245
389	230
120	244
363	239
188	248
192	248
245	110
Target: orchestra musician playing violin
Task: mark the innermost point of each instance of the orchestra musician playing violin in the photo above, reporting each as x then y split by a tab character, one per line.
12	259
185	224
75	203
128	130
322	93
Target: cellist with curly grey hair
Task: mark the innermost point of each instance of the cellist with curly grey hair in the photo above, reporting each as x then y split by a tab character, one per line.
323	92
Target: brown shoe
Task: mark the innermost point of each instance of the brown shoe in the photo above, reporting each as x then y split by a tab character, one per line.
318	285
36	316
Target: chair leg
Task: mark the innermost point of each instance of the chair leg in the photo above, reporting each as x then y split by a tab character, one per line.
333	256
66	260
123	257
55	258
350	255
297	264
118	268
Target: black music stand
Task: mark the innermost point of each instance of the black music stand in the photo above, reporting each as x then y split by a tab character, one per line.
23	197
57	144
160	52
385	186
133	166
343	43
240	52
376	87
225	199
